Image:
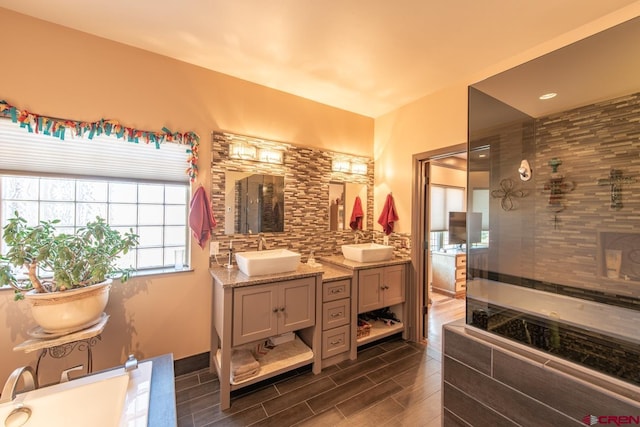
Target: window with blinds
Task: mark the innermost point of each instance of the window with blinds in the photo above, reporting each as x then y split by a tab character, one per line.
131	186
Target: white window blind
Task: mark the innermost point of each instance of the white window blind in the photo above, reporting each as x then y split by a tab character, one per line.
102	156
444	200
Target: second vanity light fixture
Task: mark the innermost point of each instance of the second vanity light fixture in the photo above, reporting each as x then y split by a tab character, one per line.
349	166
247	148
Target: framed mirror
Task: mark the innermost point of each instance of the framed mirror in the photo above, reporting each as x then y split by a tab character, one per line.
347	206
254	203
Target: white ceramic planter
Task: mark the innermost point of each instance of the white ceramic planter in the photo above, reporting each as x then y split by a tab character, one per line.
69	311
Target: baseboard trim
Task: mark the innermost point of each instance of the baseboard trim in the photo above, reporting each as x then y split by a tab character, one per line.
191	363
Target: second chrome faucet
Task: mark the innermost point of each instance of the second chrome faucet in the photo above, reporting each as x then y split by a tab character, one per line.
262	242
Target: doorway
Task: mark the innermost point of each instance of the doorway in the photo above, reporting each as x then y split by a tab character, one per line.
426	169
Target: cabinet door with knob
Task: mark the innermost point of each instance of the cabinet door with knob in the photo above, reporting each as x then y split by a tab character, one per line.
380	287
297	301
262	311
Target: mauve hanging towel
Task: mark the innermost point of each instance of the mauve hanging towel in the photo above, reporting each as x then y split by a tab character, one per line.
201	220
356	215
388	215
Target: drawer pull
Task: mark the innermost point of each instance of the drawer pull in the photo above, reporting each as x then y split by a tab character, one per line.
336	342
337	290
336	314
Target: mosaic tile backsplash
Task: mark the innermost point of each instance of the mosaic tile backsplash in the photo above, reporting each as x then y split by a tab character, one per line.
307	173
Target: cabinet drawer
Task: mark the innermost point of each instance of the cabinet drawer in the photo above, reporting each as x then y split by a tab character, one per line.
461	285
461	273
335	341
332	291
336	313
461	261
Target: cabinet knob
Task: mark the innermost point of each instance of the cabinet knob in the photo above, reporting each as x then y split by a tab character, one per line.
275	310
281	308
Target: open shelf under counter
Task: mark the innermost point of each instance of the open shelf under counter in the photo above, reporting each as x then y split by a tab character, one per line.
280	359
380	330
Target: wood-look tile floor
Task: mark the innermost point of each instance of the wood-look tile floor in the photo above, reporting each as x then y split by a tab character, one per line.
392	383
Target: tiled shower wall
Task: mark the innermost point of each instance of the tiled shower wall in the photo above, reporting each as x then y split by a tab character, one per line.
566	248
589	141
307	174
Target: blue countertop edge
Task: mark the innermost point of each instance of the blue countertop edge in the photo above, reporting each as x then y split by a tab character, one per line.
162	400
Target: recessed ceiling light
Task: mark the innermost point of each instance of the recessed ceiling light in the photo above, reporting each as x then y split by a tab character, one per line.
548	95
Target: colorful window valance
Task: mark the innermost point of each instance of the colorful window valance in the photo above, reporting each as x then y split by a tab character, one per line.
57	128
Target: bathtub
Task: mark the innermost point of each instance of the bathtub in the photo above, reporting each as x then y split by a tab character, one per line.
107	399
618	322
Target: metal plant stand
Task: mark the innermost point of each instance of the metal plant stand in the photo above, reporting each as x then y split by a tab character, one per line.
59	347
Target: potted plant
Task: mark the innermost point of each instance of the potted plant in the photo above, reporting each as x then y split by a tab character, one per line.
68	276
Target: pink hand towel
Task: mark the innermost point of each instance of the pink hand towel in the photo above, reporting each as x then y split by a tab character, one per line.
201	220
356	215
388	215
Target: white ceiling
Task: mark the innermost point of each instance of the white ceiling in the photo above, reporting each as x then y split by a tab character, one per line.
364	56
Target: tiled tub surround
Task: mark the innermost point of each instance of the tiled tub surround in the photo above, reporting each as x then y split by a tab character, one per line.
490	381
600	336
307	174
555	293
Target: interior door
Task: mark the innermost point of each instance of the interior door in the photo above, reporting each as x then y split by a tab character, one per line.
426	227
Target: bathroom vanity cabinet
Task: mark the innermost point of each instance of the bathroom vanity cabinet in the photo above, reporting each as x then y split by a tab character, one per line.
336	320
374	285
263	311
380	287
248	310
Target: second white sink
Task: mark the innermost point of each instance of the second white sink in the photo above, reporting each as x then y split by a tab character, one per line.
367	252
272	261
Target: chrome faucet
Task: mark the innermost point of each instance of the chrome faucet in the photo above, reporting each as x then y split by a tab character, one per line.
131	363
358	235
29	379
262	242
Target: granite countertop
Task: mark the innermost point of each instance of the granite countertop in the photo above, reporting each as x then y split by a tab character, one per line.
340	261
331	268
331	272
234	278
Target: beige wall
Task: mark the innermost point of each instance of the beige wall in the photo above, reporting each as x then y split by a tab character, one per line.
54	71
440	120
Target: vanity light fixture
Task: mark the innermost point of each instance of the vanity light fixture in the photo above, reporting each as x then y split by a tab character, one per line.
270	155
341	165
242	150
259	150
359	168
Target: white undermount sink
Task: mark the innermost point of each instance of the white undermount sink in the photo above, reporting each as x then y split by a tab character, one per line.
271	261
367	252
